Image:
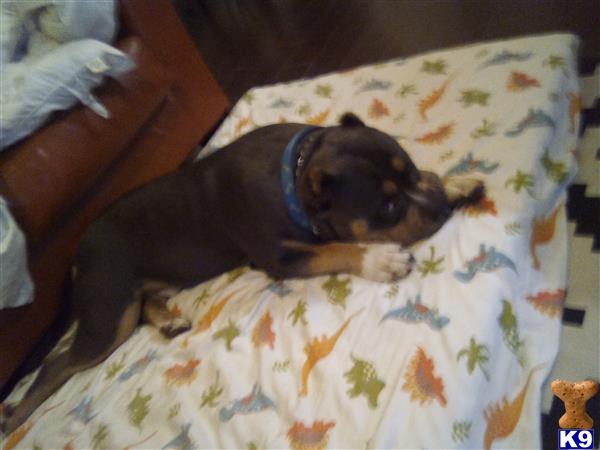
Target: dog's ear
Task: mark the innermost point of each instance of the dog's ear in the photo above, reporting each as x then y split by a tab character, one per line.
351	120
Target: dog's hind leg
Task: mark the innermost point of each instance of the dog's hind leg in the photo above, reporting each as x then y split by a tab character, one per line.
106	310
84	353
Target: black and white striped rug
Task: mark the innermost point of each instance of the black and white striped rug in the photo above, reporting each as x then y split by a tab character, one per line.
579	355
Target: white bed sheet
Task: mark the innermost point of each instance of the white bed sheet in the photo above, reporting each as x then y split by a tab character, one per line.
454	356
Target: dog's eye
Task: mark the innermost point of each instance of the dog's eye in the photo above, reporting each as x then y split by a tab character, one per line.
390	211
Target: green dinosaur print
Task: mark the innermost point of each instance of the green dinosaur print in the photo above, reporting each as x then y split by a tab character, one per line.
37	447
337	290
138	408
281	366
436	67
556	170
248	97
406	89
174	410
461	431
520	181
202	298
252	446
99	438
228	333
392	291
554	62
364	379
304	109
297	313
513	228
474	97
446	155
211	395
508	324
431	265
486	129
324	90
477	356
114	368
400	117
234	274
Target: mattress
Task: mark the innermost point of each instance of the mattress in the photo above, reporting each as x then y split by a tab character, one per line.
454	356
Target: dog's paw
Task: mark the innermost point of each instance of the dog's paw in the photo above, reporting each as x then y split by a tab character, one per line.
175	327
6	412
386	262
463	189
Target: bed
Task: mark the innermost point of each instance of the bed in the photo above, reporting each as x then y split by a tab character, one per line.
454	356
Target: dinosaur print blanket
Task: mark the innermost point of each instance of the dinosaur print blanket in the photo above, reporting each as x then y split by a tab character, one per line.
454	356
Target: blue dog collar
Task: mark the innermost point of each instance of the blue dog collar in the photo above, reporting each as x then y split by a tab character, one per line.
289	163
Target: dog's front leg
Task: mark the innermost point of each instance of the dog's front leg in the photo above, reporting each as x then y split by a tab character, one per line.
383	262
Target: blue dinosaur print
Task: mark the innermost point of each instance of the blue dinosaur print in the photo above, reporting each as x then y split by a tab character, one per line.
487	260
182	441
279	288
416	313
256	401
504	57
536	118
468	165
281	103
139	365
83	411
375	85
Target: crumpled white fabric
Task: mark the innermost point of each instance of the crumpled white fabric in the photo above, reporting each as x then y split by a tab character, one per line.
16	287
52	54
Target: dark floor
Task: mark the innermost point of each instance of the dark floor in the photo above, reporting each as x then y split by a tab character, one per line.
250	42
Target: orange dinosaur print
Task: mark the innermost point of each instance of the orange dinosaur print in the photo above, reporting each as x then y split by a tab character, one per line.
542	232
17	436
421	382
314	437
69	446
519	81
263	332
242	123
207	319
282	119
437	136
430	101
574	109
182	374
502	417
484	206
318	349
318	119
378	109
549	303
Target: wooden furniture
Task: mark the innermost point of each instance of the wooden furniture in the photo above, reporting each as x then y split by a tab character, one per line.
63	176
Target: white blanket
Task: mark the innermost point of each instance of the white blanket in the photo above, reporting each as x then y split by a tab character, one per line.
454	356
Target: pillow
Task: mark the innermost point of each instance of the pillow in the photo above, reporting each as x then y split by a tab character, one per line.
31	90
33	26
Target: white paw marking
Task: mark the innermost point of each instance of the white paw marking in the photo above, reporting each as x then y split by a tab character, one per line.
461	186
386	262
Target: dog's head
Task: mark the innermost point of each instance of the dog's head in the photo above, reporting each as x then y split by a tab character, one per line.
361	185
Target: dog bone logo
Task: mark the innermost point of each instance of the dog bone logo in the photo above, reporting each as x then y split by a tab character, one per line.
575	395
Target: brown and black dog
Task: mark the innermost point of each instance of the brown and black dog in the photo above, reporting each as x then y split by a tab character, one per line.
292	200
